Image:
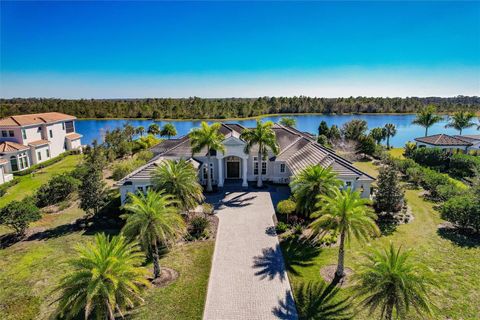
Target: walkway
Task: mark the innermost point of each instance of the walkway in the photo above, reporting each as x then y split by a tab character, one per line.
248	279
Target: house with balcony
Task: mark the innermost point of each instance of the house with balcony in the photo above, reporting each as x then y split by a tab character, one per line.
26	140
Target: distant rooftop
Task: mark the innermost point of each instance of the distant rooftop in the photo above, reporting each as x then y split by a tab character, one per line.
443	140
34	119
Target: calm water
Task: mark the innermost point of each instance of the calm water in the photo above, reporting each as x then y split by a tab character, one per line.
94	129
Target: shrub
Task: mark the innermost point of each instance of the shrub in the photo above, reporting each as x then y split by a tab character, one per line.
323	140
366	145
207	208
43	164
448	191
18	215
410	148
462	165
464	211
432	180
431	157
281	227
122	168
144	155
5	186
57	189
414	175
286	207
198	227
146	142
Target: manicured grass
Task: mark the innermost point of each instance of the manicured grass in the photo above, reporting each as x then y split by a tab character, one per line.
30	270
454	260
29	183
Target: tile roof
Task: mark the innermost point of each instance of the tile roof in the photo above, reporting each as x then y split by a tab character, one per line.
469	138
73	136
39	143
443	140
32	119
8	146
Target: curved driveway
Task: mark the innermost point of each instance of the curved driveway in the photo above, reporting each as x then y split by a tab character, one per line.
248	279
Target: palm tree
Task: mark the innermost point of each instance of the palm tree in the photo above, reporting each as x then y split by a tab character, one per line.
317	301
153	129
264	137
288	122
346	213
106	279
140	130
478	128
168	131
427	118
378	134
311	182
153	219
390	281
461	120
390	131
179	178
207	137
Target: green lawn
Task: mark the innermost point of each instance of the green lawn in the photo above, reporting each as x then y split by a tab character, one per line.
29	183
29	271
456	262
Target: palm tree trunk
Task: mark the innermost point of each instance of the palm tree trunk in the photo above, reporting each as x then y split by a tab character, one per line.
260	160
209	177
388	142
156	264
426	131
389	312
341	257
460	131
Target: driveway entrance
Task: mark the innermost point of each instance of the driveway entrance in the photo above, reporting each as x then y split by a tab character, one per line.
248	279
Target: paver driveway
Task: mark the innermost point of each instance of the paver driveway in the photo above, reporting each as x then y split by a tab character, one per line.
248	279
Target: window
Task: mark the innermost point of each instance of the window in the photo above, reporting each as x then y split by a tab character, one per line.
39	129
264	167
24	134
4	134
39	154
11	133
51	133
14	163
255	166
282	168
69	127
205	173
22	161
48	153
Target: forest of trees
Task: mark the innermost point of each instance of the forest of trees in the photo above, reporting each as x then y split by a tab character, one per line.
198	108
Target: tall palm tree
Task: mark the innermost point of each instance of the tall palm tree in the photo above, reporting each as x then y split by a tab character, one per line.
106	279
317	301
390	281
378	134
288	121
461	120
427	118
168	131
153	219
140	130
390	131
264	138
179	178
207	137
153	129
311	182
346	213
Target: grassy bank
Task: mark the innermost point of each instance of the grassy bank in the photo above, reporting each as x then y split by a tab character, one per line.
454	260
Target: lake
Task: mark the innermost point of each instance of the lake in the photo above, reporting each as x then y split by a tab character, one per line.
406	131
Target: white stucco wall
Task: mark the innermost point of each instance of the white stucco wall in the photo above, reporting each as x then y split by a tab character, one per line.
2	175
43	153
57	145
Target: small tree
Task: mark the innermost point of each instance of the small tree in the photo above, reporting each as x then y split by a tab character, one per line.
56	190
378	134
334	133
323	129
463	211
366	145
288	121
354	129
153	129
18	215
323	140
389	196
92	192
286	207
140	130
390	131
168	131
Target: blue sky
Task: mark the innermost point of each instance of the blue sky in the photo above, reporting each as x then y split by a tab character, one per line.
214	49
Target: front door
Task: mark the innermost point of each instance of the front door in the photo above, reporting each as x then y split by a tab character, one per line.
233	170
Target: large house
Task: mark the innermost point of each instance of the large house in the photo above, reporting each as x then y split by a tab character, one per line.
26	140
450	143
297	151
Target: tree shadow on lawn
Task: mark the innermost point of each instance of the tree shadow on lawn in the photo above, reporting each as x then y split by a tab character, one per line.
286	309
298	254
461	238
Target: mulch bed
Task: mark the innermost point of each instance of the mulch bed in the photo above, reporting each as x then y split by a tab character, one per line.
167	276
328	274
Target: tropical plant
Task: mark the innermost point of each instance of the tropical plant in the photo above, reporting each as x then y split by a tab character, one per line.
153	129
378	134
354	129
345	212
461	120
427	118
140	130
106	280
129	131
18	215
57	189
179	178
334	133
319	301
366	145
391	282
390	131
168	130
288	121
264	138
311	182
207	137
153	220
286	207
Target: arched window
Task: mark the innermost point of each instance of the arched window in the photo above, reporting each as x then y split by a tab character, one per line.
14	163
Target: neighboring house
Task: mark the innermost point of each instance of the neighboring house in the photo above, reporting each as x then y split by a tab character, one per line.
473	139
29	139
297	151
4	177
445	142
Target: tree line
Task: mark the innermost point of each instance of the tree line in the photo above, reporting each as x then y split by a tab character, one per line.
199	108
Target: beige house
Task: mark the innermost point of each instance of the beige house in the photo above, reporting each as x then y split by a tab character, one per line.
445	142
297	151
26	140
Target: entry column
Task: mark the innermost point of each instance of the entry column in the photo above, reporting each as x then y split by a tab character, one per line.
220	172
244	172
